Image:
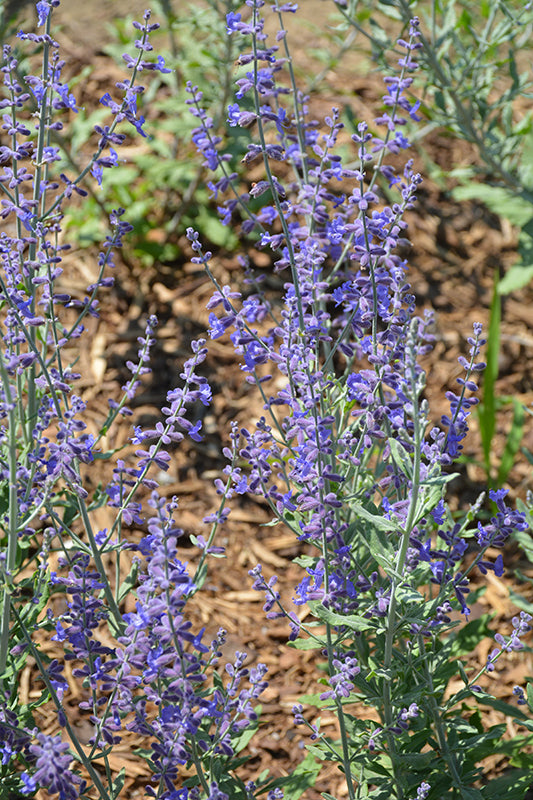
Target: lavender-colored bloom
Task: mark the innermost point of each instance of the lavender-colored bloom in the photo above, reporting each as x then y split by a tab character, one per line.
14	740
503	524
43	10
520	695
51	768
423	791
343	454
215	793
232	21
341	681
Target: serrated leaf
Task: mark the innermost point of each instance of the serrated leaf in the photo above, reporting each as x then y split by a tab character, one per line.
410	596
440	480
427	501
312	700
401	457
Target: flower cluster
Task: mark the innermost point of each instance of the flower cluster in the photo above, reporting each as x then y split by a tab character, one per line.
51	769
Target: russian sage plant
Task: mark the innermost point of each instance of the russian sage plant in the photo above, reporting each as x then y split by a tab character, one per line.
143	674
346	454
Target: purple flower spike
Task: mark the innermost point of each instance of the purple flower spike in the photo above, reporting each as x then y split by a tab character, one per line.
51	768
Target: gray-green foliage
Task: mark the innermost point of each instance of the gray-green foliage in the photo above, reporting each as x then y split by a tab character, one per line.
476	83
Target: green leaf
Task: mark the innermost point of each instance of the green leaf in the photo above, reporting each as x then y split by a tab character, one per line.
4	498
516	207
468	793
525	540
118	783
427	500
305	644
351	621
129	582
240	742
401	457
440	480
373	535
520	602
462	672
440	101
529	691
418	761
208	222
377	521
487	408
312	700
30	612
525	168
302	778
513	786
500	705
409	596
525	243
466	639
518	276
518	750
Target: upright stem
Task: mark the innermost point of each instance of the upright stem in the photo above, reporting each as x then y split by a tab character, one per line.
440	730
404	542
12	532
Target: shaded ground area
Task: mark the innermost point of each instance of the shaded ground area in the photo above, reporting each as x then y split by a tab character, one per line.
457	249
